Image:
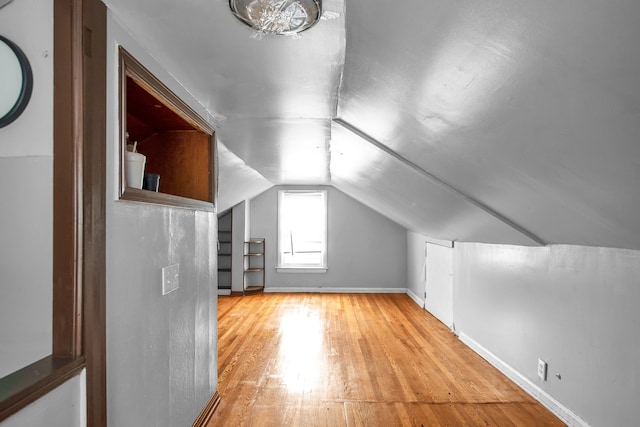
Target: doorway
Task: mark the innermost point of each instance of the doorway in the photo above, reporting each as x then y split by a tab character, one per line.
439	282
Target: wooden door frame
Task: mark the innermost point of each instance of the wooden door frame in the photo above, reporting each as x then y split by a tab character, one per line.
80	28
92	181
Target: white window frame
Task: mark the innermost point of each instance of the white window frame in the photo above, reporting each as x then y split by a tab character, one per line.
284	266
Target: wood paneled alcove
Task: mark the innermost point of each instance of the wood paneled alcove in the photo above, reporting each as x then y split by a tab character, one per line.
178	144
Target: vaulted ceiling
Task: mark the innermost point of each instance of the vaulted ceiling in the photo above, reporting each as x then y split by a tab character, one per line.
497	121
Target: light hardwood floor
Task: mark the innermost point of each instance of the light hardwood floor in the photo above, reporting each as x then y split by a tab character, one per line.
355	360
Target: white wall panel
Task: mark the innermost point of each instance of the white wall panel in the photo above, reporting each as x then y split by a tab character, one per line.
574	307
26	191
65	406
161	349
26	254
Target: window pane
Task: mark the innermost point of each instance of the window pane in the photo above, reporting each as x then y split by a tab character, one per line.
302	228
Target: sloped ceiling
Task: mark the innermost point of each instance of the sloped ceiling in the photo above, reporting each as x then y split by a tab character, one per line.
236	180
497	121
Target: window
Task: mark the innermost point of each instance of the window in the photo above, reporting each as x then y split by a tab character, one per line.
302	229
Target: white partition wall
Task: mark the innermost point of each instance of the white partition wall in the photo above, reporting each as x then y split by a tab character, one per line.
574	307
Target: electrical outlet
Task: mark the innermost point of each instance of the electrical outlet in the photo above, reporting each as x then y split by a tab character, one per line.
170	278
542	369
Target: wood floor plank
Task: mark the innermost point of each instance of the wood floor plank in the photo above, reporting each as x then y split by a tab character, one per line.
355	360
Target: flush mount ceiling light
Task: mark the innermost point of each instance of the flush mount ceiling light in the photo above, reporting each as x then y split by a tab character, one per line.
287	17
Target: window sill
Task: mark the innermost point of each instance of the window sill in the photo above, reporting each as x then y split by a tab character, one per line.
304	270
145	196
30	383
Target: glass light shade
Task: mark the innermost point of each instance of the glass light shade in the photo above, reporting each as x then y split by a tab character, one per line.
277	16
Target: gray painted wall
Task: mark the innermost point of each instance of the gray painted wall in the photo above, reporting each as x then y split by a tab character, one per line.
26	211
365	249
161	350
238	238
26	252
574	307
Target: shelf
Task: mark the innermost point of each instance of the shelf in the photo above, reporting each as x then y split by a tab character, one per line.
254	262
225	251
145	196
251	290
178	144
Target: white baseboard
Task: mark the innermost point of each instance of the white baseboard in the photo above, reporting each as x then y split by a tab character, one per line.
224	291
561	411
326	290
415	298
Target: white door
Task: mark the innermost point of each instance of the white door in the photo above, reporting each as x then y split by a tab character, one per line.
439	282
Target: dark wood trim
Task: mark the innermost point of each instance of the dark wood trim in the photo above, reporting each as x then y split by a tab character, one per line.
30	383
129	66
94	113
214	171
67	131
208	411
